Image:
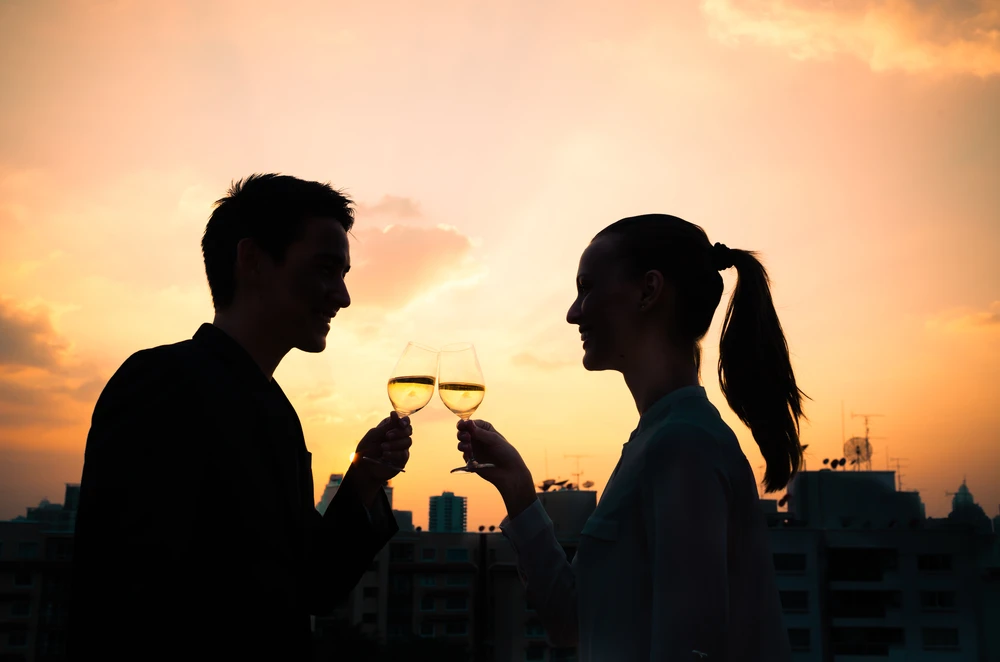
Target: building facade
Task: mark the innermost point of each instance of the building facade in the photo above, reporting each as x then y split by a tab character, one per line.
447	514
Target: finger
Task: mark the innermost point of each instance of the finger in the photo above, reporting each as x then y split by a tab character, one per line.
482	425
397	458
398	445
399	433
465	447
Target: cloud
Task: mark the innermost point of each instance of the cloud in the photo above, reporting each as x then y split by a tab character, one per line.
526	359
964	319
40	383
914	36
27	338
392	206
397	264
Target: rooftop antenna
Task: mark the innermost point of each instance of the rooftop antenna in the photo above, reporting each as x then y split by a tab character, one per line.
859	449
578	472
899	474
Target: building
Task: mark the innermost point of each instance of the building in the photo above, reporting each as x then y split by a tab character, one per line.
447	514
862	572
329	492
35	564
461	588
333	485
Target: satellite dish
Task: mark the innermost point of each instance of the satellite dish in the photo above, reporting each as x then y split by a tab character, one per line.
588	484
858	450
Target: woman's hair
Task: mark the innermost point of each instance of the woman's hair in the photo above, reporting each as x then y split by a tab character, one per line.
755	372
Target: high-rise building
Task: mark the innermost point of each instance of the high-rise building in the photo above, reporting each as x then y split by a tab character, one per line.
334	485
447	514
329	492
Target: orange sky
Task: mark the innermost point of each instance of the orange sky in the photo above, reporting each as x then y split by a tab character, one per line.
854	145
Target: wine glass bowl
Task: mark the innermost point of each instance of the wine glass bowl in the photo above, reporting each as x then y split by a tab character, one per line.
411	384
462	387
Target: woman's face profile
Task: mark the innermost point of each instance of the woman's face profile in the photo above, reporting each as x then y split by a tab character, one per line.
606	308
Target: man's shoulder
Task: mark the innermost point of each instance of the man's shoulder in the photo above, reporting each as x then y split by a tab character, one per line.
158	369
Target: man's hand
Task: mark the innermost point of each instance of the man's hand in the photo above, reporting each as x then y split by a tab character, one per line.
390	442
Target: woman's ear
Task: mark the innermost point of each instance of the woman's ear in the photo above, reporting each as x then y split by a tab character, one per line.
654	290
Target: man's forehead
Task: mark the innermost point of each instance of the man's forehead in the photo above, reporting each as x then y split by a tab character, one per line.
327	237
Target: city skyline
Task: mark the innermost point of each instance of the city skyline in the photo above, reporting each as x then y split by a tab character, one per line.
854	146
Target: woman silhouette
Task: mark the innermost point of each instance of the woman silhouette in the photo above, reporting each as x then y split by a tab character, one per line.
674	563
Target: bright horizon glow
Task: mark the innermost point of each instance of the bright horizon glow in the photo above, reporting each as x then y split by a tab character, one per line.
854	147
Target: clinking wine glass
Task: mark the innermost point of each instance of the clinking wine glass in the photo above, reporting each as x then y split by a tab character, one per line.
462	387
411	384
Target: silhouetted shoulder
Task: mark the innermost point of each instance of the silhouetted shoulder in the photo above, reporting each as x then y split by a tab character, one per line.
148	387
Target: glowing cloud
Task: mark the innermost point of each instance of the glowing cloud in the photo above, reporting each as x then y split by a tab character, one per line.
964	319
394	265
936	36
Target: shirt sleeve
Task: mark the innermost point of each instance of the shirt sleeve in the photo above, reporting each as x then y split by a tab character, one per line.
344	542
545	571
685	516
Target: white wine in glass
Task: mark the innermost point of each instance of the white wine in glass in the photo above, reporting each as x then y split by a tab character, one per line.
462	388
411	384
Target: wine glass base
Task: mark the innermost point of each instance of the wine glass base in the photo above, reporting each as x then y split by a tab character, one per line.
385	464
473	466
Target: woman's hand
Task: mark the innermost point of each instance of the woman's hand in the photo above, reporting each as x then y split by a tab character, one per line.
510	475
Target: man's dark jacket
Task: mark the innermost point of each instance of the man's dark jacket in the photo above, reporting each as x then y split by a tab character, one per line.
196	535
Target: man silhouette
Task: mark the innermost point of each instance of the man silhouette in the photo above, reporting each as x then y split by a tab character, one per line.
196	535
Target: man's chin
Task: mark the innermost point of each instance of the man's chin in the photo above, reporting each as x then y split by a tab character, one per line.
313	345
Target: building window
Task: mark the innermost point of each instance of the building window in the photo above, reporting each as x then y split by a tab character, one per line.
799	638
20	608
455	628
934	562
458	580
458	554
426	629
937	600
22	578
27	550
861	564
864	604
428	554
534	653
456	603
795	602
427	603
17	638
790	563
371	592
563	655
940	639
871	641
534	630
428	580
400	552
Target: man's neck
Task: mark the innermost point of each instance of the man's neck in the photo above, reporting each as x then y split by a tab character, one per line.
247	332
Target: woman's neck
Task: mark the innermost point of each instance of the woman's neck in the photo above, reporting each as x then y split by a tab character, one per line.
656	372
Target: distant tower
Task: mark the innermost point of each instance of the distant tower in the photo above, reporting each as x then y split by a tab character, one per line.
334	485
965	510
329	492
447	514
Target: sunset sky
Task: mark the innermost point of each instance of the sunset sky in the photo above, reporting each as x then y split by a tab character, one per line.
855	144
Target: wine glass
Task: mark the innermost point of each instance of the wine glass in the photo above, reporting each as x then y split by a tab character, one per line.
411	383
462	387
